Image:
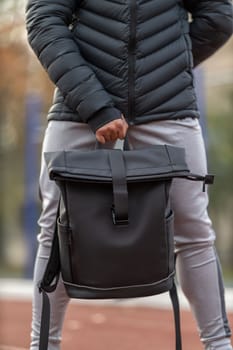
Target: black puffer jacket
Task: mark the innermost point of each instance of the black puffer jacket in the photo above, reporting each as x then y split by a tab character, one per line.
125	56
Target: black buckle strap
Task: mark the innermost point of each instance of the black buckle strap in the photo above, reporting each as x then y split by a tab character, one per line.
118	221
120	192
207	179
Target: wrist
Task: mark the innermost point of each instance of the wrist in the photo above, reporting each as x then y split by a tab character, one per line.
104	116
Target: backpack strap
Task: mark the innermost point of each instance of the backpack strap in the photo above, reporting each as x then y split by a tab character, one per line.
48	284
176	312
45	319
120	193
44	322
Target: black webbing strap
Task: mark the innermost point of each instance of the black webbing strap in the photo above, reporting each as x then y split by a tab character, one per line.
47	285
52	270
176	313
120	192
45	322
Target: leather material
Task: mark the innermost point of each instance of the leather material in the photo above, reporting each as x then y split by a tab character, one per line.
161	161
129	255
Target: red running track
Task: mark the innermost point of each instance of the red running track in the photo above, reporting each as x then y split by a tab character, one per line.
101	328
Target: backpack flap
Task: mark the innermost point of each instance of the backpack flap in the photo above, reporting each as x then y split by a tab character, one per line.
156	162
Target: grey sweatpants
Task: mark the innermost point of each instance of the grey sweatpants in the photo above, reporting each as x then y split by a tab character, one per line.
197	264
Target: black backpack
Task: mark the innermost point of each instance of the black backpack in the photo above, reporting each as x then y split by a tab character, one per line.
114	232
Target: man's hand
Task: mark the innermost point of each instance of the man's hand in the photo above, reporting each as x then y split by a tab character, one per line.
112	131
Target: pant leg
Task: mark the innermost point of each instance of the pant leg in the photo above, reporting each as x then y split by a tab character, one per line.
197	264
58	136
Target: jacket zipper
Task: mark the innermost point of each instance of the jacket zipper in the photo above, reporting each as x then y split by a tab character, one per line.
131	62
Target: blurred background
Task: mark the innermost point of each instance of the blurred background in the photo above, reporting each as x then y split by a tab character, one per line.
25	96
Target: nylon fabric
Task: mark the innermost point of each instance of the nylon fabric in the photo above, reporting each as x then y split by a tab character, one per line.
133	57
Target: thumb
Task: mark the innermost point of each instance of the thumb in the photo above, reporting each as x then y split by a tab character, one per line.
100	138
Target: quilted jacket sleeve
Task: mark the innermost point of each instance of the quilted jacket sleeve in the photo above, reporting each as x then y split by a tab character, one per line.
211	26
47	24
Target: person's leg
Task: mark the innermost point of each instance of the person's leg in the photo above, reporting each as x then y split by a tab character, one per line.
58	136
197	264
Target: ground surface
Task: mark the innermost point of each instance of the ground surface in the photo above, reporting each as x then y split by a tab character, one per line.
91	327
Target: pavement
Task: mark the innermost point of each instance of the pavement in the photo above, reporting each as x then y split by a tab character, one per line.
135	324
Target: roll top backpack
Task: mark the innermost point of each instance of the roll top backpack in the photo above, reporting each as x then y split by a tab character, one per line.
114	231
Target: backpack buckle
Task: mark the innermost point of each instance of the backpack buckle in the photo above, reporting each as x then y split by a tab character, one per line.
117	221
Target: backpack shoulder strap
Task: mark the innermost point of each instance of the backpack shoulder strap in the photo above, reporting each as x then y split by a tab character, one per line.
48	284
53	267
176	313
